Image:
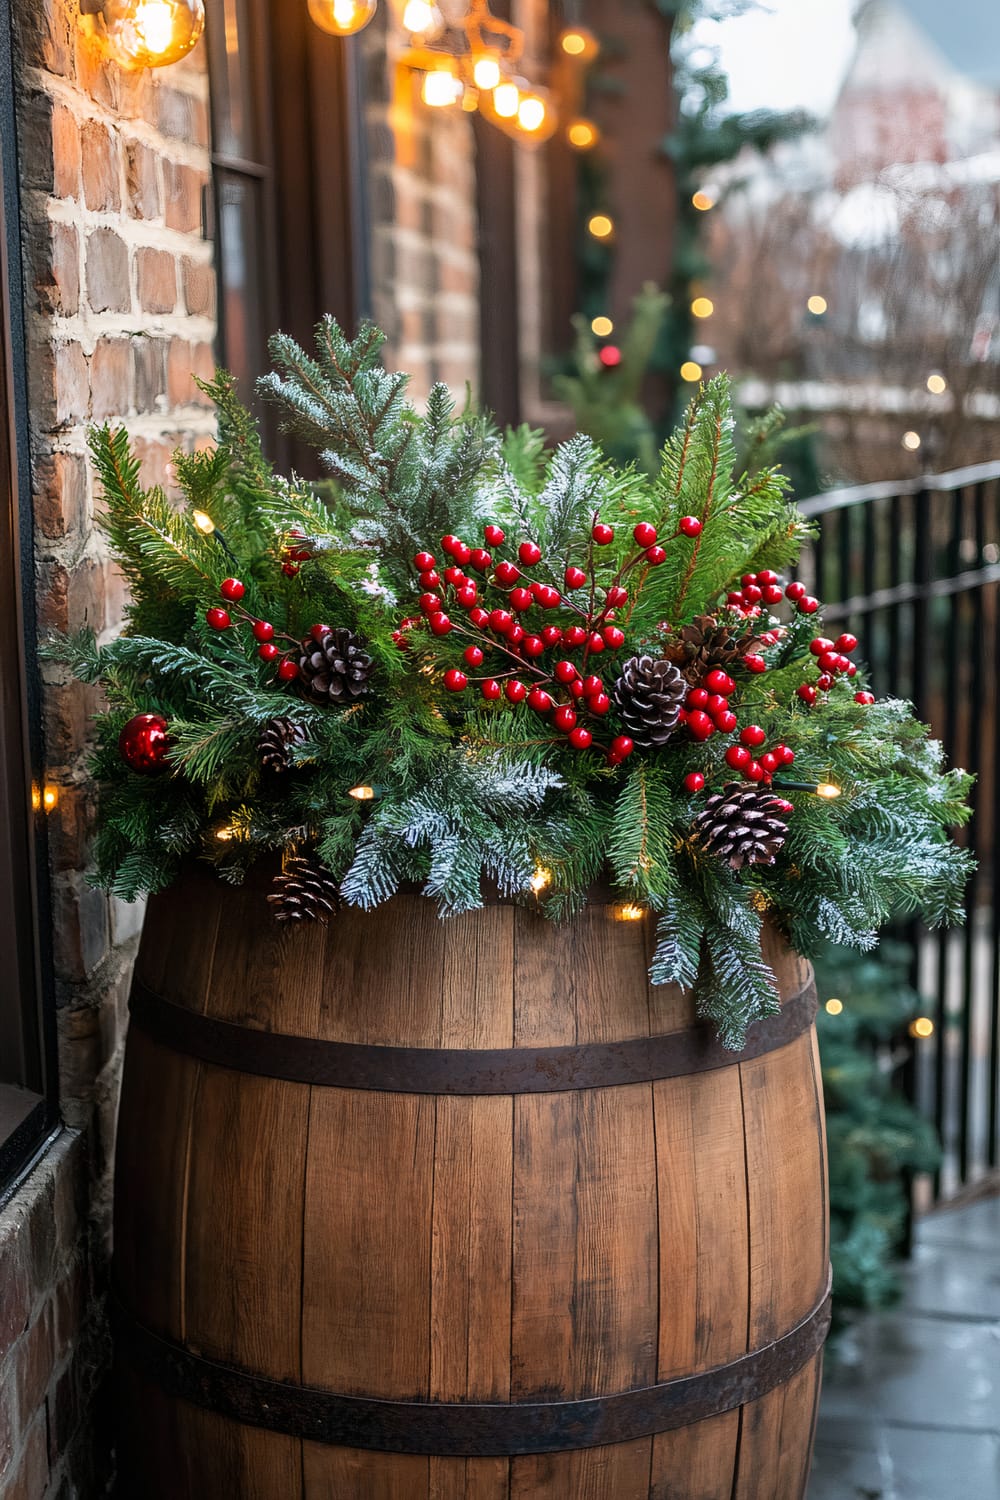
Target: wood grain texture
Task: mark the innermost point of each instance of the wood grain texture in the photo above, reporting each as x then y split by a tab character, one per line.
460	1248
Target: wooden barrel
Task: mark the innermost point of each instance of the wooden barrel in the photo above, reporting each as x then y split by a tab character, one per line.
467	1210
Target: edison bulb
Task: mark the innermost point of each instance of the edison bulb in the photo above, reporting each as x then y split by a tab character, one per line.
342	17
152	33
486	73
506	100
422	20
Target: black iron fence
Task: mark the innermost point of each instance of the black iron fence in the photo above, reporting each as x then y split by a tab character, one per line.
913	569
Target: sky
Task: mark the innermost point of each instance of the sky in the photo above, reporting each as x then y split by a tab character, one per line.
785	54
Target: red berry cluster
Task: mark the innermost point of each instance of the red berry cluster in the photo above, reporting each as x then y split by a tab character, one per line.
833	660
764	588
232	590
753	767
706	708
568	690
294	553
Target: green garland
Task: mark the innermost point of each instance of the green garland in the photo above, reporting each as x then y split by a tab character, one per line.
516	770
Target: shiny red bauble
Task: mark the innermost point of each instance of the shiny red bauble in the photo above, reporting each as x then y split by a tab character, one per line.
144	743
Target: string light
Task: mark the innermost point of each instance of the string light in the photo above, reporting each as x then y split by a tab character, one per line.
422	20
601	226
362	793
579	43
828	790
936	384
911	441
441	88
702	307
704	200
224	835
817	306
540	879
922	1026
506	99
535	115
833	1007
486	72
204	522
602	327
342	17
690	371
629	912
148	33
582	135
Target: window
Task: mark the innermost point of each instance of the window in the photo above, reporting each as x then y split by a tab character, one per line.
27	1075
287	130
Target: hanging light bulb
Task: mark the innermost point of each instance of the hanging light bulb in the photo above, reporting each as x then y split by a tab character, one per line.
536	115
441	88
506	100
422	20
150	33
486	71
342	17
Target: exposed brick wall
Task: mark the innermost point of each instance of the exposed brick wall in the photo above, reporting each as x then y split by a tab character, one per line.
424	230
121	309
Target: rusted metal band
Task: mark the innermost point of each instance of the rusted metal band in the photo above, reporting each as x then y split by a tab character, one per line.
440	1070
467	1429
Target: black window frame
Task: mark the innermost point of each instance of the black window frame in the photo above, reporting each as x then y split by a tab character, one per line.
27	990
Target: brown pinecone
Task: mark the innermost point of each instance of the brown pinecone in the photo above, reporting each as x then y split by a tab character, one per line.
335	669
707	643
739	825
303	892
650	696
276	739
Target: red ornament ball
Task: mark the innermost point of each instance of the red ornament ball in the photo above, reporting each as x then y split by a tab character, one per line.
754	771
694	781
690	526
232	590
218	618
144	742
771	593
595	643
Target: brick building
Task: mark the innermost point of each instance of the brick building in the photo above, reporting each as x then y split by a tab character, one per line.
153	222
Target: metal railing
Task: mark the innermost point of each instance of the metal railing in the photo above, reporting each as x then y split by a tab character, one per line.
913	569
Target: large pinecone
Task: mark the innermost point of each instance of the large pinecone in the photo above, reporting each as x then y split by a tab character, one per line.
650	695
707	643
276	739
303	892
335	669
740	825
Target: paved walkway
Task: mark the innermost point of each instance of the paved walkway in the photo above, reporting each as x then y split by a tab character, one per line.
911	1411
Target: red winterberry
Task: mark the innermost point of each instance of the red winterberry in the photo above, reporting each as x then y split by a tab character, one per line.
467	595
580	738
738	757
614	638
752	735
454	576
479	617
429	603
431	579
263	630
290	570
622	746
576	688
846	642
218	618
765	576
501	620
288	671
529	553
616	595
268	651
690	526
548	597
694	781
754	771
552	635
574	635
795	592
644	533
735	598
602	533
864	697
829	661
852	670
564	671
824	682
449	543
532	645
751	594
521	599
655	556
697	698
819	645
700	725
598	703
424	560
493	534
716	705
771	593
725	722
491	690
787	755
807	692
455	681
754	663
515	690
718	681
575	578
440	623
507	573
770	762
480	560
539	700
595	643
232	590
808	605
592	685
564	718
472	656
515	634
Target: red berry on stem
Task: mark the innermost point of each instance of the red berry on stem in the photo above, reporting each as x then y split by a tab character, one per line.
539	700
715	705
564	718
232	590
288	671
491	690
616	595
461	553
515	690
738	757
700	725
754	663
501	620
725	722
751	594
507	573
771	593
765	576
493	534
808	605
467	595
824	682
472	656
290	570
455	681
479	617
580	738
218	618
829	661
735	598
690	526
795	592
454	575
807	692
846	642
644	533
595	643
655	556
754	771
694	781
515	634
852	670
263	630
575	578
424	560
622	746
864	697
268	651
697	698
752	735
548	597
449	543
613	637
718	681
532	645
598	703
592	685
480	560
576	688
529	553
575	635
521	599
787	755
429	603
564	671
440	623
602	534
552	635
431	579
770	762
819	645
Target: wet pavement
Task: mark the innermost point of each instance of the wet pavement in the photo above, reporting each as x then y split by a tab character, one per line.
911	1409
